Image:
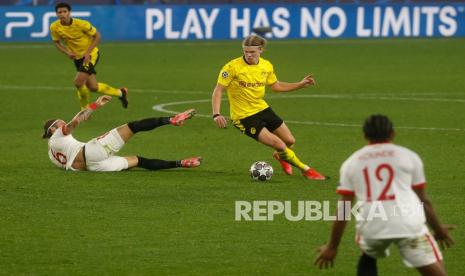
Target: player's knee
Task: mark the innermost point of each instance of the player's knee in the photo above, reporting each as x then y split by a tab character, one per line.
290	141
435	269
279	145
79	83
441	271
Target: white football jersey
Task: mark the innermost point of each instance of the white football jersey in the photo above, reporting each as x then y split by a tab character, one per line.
62	149
382	177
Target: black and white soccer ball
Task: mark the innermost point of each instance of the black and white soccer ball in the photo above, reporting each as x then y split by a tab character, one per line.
261	170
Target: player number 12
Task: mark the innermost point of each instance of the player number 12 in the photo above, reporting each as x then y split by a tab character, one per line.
386	181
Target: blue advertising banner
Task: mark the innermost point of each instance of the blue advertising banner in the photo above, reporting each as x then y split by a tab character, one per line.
222	22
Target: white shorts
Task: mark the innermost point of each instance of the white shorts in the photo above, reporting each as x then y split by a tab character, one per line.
415	252
99	153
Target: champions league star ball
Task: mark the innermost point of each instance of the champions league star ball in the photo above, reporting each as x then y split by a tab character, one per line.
261	170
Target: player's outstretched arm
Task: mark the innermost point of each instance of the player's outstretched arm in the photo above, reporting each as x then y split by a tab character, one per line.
220	121
328	252
281	86
84	114
441	231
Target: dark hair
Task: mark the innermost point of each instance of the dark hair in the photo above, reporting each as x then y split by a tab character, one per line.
378	128
62	5
47	132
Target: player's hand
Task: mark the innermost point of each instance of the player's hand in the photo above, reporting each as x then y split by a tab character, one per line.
442	236
103	100
308	80
326	257
221	121
86	59
71	55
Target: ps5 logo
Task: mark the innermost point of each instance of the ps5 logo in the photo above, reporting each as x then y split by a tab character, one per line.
26	20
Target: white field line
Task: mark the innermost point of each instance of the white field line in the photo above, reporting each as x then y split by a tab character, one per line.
70	88
360	96
162	108
377	98
364	96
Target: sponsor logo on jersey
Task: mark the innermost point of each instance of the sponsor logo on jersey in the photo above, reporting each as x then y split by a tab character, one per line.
251	84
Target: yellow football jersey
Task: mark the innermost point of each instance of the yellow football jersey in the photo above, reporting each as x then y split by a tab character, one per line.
245	84
77	36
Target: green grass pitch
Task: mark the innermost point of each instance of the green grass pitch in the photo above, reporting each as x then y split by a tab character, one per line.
181	222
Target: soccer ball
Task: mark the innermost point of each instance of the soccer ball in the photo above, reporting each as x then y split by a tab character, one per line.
261	170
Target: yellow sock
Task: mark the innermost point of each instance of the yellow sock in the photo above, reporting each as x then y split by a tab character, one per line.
104	88
290	157
83	95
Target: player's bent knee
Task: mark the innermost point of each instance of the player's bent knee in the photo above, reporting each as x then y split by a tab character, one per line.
279	146
435	269
290	141
111	164
78	84
125	132
133	161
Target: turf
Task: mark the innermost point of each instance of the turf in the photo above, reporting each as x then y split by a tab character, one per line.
181	222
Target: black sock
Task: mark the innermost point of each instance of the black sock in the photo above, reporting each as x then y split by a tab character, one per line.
148	124
157	164
367	266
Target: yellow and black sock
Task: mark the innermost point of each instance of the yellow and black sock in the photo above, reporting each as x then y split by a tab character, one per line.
290	157
104	88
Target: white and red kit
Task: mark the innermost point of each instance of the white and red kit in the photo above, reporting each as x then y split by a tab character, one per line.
62	149
98	152
383	177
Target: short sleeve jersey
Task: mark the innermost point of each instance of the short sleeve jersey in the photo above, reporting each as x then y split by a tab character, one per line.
77	36
62	149
245	84
383	178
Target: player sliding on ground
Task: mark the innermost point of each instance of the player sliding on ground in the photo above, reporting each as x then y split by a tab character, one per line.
98	154
80	40
388	180
245	79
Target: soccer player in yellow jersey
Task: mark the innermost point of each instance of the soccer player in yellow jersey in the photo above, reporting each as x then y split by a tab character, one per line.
245	79
78	39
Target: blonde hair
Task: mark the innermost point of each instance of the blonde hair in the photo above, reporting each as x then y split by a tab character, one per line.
254	40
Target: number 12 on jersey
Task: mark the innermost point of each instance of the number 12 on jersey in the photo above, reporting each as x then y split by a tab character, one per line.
384	173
